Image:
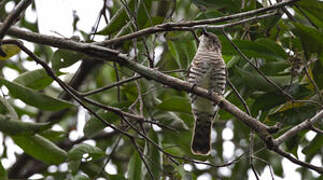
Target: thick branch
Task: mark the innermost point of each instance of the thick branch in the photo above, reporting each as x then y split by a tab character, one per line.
100	52
304	125
169	26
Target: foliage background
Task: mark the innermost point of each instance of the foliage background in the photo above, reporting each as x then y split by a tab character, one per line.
286	49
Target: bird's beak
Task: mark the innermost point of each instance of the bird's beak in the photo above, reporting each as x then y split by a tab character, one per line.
204	31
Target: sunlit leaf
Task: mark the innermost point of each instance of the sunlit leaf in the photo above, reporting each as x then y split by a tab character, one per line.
10	50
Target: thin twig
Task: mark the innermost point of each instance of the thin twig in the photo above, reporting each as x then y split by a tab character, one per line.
252	133
296	129
268	164
119	83
305	15
317	130
141	155
115	145
316	87
168	26
67	88
296	161
118	79
163	28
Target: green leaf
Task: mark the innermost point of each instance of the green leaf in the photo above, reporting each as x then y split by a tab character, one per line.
269	100
7	109
74	165
174	53
154	21
79	150
155	156
64	58
94	126
53	135
118	20
134	167
34	98
255	81
293	144
262	48
273	47
208	14
80	177
313	9
313	147
3	173
230	5
93	169
36	79
41	148
310	37
175	103
15	127
184	174
9	50
294	115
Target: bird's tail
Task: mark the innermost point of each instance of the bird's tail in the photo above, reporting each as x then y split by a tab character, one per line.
201	143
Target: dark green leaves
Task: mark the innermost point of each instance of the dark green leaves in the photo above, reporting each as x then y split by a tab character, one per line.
77	152
3	173
262	48
41	149
176	103
86	152
134	167
37	79
64	58
15	127
255	81
34	98
310	37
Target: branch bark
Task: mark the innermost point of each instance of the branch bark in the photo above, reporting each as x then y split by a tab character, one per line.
304	125
13	16
96	50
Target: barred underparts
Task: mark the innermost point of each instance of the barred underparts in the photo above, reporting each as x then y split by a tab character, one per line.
207	71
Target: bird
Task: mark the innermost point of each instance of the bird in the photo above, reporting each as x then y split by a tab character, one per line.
207	70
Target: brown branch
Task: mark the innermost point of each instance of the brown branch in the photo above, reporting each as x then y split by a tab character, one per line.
122	59
109	54
66	88
13	16
168	26
296	129
317	130
296	161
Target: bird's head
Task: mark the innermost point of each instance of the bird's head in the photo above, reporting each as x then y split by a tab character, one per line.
210	41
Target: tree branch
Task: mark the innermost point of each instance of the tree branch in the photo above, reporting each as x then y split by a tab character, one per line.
13	16
304	125
168	26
